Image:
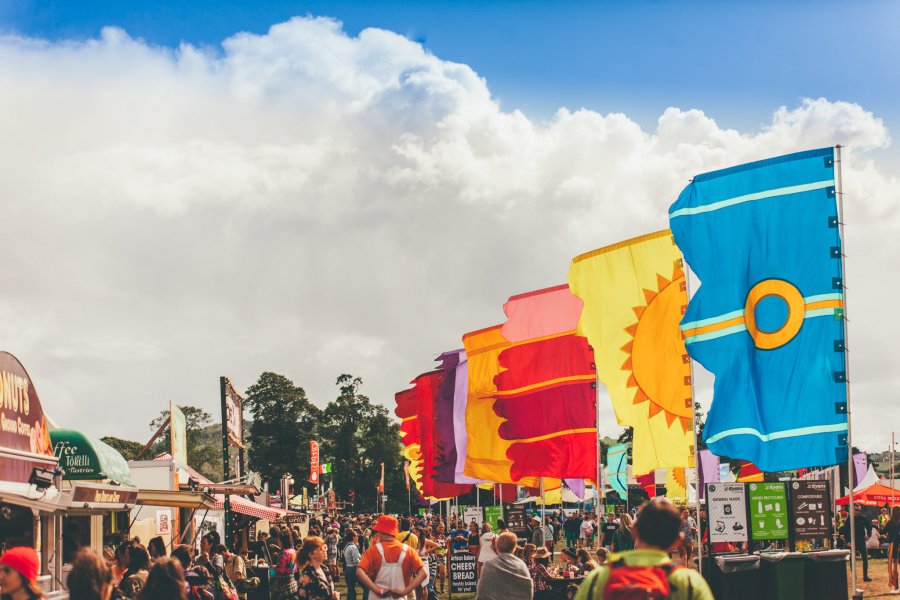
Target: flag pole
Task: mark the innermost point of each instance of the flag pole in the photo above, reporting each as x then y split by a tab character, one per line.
598	488
687	287
839	192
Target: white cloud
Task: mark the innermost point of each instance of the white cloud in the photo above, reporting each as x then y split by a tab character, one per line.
314	203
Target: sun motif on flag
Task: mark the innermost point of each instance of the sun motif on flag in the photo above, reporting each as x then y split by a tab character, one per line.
657	364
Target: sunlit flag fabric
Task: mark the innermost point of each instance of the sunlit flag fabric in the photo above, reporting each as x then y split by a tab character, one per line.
461	437
617	468
444	435
676	484
634	296
767	318
546	387
708	470
486	451
750	473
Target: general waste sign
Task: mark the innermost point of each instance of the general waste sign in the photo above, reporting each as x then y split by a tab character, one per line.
463	578
768	511
810	509
727	512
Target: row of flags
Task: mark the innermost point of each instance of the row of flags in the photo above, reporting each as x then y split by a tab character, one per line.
517	404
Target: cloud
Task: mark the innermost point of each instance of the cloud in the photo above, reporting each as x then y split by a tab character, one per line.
315	203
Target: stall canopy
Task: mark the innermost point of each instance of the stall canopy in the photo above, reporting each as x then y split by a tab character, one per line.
242	505
874	495
85	458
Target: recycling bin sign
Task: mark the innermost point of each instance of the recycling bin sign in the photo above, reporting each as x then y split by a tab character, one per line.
768	511
810	509
727	503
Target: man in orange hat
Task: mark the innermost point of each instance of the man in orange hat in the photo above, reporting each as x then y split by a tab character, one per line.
388	568
19	568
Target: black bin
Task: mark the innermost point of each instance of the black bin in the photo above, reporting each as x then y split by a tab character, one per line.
826	575
735	577
783	575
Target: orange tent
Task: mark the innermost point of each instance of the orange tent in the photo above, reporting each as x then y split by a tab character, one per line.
874	495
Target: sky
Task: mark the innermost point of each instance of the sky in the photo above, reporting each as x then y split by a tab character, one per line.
205	189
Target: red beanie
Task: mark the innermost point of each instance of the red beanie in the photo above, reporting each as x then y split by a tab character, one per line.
23	559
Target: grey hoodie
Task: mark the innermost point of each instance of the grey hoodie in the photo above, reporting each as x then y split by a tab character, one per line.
505	578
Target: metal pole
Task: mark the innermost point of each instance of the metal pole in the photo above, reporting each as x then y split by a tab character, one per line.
892	469
839	192
226	470
598	488
687	287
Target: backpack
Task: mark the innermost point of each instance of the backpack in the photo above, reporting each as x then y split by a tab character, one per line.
638	583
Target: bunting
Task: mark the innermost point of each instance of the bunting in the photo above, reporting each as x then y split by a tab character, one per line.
634	294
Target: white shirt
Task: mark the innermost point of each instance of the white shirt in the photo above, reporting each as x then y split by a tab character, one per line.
486	551
587	528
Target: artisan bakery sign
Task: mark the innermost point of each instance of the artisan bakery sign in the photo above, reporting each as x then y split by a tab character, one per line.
103	496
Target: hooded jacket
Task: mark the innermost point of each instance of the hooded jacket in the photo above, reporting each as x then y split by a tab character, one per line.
504	578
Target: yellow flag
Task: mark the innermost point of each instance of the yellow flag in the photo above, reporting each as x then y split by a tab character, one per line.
634	297
676	485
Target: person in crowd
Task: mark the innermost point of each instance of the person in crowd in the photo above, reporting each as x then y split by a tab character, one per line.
622	539
549	535
459	537
214	563
584	559
892	537
602	555
121	564
284	584
657	531
505	577
883	517
430	552
486	546
537	533
332	539
90	577
540	575
572	528
570	561
389	567
441	539
474	539
165	581
863	531
236	571
351	560
157	548
406	534
688	530
197	579
587	530
608	530
19	568
315	582
136	576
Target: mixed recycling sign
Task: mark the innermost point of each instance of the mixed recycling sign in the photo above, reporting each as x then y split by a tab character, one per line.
768	511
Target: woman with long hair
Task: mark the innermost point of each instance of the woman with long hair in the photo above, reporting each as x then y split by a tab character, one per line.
892	532
623	540
165	581
157	548
284	584
19	568
440	538
584	559
136	576
90	577
315	582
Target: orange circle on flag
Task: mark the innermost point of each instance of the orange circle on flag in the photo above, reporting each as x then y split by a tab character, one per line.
769	340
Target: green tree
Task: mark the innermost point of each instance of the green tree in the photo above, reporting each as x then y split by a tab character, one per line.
204	454
284	422
357	436
127	448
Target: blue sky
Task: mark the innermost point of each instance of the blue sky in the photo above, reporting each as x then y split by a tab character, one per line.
737	61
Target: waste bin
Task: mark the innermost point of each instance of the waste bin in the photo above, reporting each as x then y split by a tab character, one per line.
826	575
782	575
735	577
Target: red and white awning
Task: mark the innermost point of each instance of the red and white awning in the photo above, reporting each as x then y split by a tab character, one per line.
241	505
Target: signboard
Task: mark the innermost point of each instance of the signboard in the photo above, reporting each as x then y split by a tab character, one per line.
314	462
81	457
727	503
610	509
515	517
491	514
768	511
234	415
163	522
104	495
473	513
810	510
299	521
178	430
463	579
22	423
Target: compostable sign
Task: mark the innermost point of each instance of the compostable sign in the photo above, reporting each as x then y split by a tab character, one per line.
768	511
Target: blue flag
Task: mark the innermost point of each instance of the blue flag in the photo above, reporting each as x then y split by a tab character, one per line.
617	468
767	319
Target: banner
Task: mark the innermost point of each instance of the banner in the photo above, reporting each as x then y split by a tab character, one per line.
178	434
491	514
406	472
860	467
515	517
768	511
234	415
767	319
810	509
634	295
313	462
708	470
617	471
463	578
727	504
473	513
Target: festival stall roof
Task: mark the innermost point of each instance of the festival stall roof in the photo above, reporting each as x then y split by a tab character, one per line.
38	501
85	458
176	499
874	495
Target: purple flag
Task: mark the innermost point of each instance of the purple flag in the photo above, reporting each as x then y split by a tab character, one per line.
860	467
444	435
577	487
709	471
460	398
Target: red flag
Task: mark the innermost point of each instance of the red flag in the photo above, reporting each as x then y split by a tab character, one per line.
648	483
381	483
313	462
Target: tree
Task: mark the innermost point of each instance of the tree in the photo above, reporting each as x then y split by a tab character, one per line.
203	452
357	436
284	422
128	449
